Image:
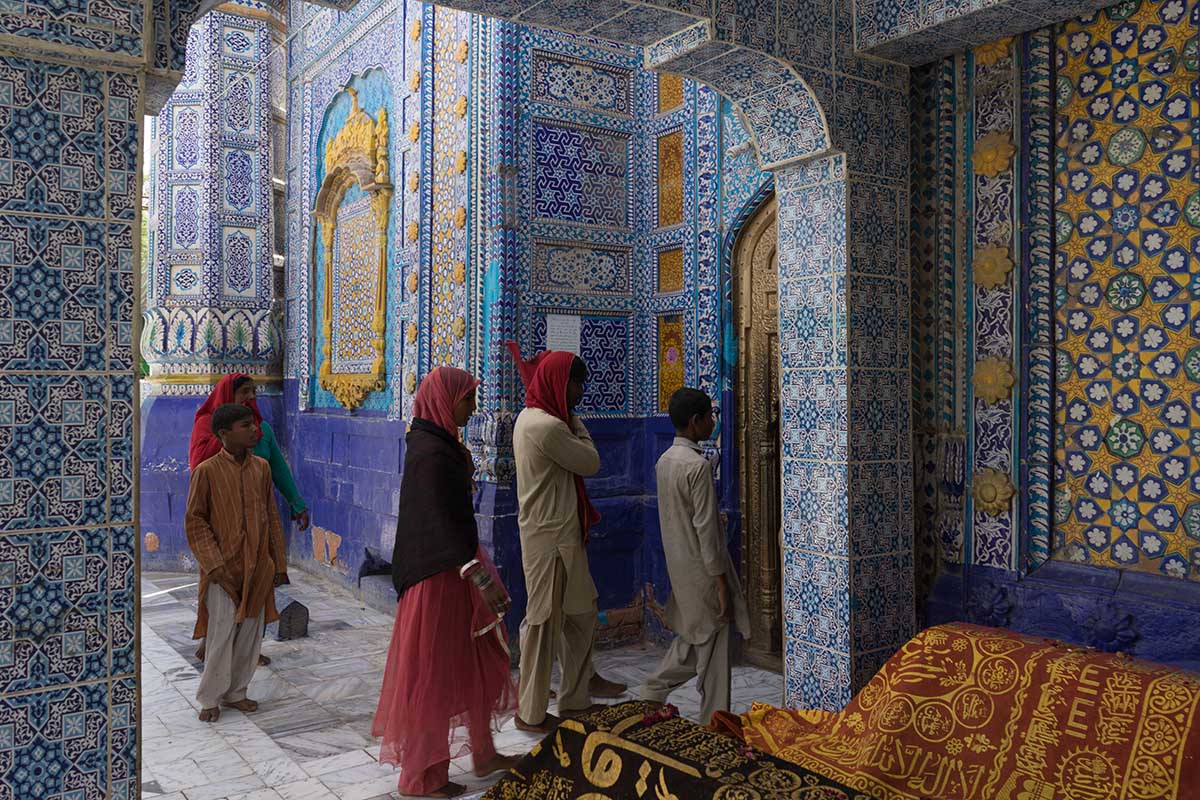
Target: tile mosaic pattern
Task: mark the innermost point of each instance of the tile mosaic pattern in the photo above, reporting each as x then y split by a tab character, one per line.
605	349
211	279
670	270
54	627
566	81
355	284
68	181
670	358
1128	356
939	276
360	48
992	178
582	175
923	329
919	31
1037	343
55	467
565	267
59	742
669	174
448	214
641	238
670	92
112	28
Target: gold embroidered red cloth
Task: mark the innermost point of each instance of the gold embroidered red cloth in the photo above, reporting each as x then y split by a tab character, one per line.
964	711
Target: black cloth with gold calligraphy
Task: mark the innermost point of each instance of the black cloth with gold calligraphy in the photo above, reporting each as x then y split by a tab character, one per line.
633	751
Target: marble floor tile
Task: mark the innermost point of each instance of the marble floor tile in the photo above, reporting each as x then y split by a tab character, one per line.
311	738
258	794
229	766
311	789
225	789
322	743
332	690
179	774
361	774
279	771
363	789
342	761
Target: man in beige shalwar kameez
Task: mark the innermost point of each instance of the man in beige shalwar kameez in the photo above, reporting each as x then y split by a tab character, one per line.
553	453
706	596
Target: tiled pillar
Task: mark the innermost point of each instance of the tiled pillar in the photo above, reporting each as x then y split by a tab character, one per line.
69	137
212	302
496	158
847	542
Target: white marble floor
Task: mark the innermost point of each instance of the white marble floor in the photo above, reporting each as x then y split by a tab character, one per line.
310	739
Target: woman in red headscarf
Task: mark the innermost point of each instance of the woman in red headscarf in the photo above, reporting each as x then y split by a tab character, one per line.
448	663
239	388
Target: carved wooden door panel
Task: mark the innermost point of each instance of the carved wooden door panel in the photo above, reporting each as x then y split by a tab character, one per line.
756	268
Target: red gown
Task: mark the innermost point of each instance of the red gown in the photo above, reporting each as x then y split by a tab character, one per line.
448	668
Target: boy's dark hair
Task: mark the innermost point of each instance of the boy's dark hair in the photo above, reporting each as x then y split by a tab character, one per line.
579	370
226	416
241	381
687	403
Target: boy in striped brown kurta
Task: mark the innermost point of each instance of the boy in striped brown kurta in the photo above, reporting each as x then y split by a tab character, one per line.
234	532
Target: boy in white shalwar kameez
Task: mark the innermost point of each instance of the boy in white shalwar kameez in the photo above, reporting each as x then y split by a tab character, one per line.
706	597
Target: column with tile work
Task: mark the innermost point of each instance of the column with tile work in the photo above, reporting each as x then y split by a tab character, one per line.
847	475
70	113
213	287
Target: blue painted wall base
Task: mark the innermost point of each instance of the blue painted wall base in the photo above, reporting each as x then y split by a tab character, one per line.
1112	610
166	428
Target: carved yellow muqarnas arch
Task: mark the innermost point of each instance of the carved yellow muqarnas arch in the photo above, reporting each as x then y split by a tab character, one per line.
358	154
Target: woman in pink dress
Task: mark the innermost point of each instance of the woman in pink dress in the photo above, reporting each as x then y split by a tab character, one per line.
448	664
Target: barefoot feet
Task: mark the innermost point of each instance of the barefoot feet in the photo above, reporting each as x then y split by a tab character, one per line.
246	706
545	726
599	687
210	714
498	763
263	661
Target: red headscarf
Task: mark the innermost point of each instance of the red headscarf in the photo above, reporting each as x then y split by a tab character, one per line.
205	443
545	377
441	390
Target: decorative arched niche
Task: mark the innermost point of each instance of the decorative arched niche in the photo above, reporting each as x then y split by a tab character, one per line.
351	212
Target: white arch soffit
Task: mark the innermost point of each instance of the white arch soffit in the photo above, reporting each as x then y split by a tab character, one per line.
778	108
786	122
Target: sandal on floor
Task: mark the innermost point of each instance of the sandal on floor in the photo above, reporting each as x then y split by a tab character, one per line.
449	790
263	661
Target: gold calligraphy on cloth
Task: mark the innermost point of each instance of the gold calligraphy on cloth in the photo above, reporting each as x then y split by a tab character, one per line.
964	712
627	752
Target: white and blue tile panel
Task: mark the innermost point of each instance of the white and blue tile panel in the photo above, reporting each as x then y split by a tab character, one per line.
844	318
211	274
1036	338
371	49
67	205
994	95
919	31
